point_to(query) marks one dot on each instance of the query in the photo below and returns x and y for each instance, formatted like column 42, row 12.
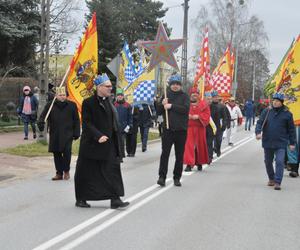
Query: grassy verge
column 41, row 149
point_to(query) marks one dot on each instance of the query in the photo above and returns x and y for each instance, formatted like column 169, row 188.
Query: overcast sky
column 281, row 19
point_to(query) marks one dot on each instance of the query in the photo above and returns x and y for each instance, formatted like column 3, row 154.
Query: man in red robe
column 195, row 152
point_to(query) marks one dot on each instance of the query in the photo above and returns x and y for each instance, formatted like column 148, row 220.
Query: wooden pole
column 167, row 116
column 62, row 82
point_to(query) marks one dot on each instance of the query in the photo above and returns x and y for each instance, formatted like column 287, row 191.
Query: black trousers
column 209, row 141
column 62, row 159
column 169, row 138
column 131, row 140
column 218, row 140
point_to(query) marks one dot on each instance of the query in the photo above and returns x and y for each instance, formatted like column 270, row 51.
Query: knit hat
column 100, row 79
column 119, row 91
column 214, row 93
column 26, row 88
column 278, row 96
column 175, row 79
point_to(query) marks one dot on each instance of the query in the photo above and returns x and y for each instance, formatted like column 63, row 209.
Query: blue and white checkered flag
column 131, row 73
column 144, row 93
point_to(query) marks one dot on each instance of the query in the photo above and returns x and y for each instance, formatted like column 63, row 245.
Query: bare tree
column 229, row 22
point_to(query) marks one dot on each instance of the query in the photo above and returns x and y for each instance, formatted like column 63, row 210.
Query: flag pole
column 62, row 82
column 167, row 116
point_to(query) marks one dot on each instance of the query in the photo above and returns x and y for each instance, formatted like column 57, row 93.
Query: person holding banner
column 125, row 117
column 277, row 130
column 98, row 172
column 64, row 127
column 177, row 105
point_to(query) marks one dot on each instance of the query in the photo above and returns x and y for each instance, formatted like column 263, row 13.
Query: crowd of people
column 195, row 126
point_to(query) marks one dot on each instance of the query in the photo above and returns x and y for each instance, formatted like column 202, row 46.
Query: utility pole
column 253, row 81
column 44, row 58
column 184, row 46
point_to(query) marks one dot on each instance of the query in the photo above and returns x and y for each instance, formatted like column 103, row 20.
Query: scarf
column 27, row 106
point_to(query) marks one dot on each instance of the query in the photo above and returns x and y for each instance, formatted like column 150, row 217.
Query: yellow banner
column 287, row 80
column 122, row 82
column 84, row 66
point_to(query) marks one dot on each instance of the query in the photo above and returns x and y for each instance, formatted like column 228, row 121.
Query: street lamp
column 235, row 83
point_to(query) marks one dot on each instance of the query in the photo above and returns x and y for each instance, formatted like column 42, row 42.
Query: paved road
column 226, row 206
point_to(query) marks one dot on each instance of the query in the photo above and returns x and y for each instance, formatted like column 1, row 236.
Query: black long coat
column 63, row 123
column 98, row 174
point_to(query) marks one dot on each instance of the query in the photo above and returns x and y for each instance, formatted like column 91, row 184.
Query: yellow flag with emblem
column 287, row 80
column 84, row 66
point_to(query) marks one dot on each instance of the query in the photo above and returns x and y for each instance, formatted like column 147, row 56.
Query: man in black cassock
column 98, row 173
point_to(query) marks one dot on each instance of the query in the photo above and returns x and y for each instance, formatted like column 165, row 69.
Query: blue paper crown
column 214, row 93
column 278, row 96
column 100, row 79
column 175, row 78
column 207, row 94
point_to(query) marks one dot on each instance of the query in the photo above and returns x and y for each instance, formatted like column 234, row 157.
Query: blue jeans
column 26, row 120
column 248, row 123
column 279, row 154
column 144, row 136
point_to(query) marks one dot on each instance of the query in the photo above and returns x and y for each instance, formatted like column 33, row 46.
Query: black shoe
column 199, row 167
column 218, row 154
column 188, row 168
column 25, row 138
column 230, row 144
column 177, row 183
column 161, row 181
column 34, row 136
column 82, row 204
column 294, row 174
column 144, row 149
column 118, row 203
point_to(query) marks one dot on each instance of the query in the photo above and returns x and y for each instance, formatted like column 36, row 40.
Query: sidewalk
column 14, row 167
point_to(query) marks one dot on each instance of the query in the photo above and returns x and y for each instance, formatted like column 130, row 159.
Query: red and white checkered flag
column 203, row 64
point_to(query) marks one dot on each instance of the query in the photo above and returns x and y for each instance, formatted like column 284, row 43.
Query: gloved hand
column 126, row 129
column 41, row 126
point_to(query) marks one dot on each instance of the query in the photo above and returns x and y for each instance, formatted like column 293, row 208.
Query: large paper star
column 162, row 48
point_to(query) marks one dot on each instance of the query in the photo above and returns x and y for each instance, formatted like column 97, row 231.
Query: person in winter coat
column 235, row 117
column 277, row 130
column 220, row 119
column 64, row 127
column 98, row 172
column 125, row 117
column 131, row 136
column 27, row 110
column 249, row 112
column 145, row 115
column 195, row 152
column 177, row 104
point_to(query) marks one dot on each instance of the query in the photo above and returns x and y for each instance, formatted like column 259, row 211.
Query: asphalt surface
column 226, row 206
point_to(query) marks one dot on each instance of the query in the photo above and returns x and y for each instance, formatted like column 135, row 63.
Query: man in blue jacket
column 276, row 129
column 249, row 112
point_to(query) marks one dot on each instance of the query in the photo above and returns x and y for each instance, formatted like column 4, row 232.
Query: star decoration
column 162, row 48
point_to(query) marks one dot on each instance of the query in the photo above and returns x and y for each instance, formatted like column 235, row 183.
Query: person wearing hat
column 64, row 127
column 177, row 105
column 235, row 116
column 98, row 172
column 277, row 130
column 125, row 118
column 195, row 152
column 220, row 119
column 27, row 110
